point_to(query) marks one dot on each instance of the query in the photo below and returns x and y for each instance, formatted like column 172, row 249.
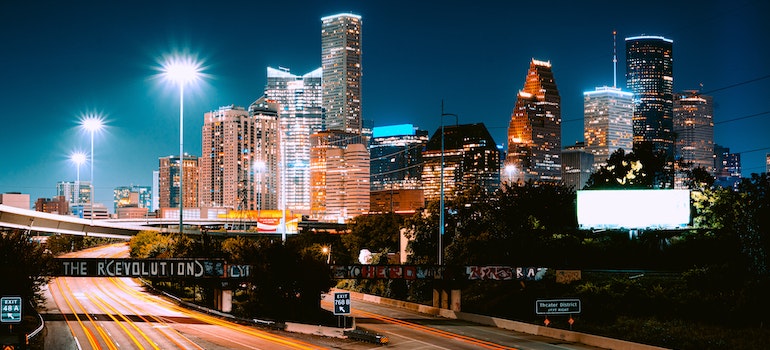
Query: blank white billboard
column 633, row 209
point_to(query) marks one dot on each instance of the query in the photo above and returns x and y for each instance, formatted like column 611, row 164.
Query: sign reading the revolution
column 164, row 268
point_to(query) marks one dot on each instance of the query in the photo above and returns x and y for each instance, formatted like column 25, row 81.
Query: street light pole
column 79, row 158
column 181, row 70
column 441, row 188
column 92, row 124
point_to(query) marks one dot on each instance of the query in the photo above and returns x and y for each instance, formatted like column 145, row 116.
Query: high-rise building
column 577, row 164
column 341, row 64
column 607, row 114
column 132, row 196
column 767, row 162
column 68, row 190
column 339, row 173
column 266, row 158
column 300, row 115
column 396, row 157
column 649, row 75
column 534, row 133
column 470, row 158
column 694, row 130
column 235, row 145
column 169, row 180
column 727, row 167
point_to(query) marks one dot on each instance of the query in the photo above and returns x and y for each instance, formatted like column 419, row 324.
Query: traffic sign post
column 11, row 308
column 342, row 303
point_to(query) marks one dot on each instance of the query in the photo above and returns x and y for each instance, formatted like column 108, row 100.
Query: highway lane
column 407, row 329
column 115, row 313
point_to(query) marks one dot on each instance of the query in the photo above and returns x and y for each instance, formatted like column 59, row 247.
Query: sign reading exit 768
column 11, row 308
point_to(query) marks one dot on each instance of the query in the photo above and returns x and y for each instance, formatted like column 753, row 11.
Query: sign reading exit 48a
column 11, row 308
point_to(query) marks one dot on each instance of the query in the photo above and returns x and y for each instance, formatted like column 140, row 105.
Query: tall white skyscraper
column 300, row 114
column 607, row 120
column 341, row 64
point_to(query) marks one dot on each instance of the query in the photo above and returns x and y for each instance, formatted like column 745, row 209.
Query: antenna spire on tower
column 614, row 59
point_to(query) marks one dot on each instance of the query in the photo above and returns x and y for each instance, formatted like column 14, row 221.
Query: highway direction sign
column 557, row 306
column 342, row 303
column 11, row 308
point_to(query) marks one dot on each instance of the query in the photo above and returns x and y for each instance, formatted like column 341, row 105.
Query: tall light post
column 78, row 158
column 441, row 188
column 259, row 168
column 181, row 70
column 92, row 124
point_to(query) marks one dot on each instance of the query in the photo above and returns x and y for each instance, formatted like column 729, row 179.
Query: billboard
column 633, row 209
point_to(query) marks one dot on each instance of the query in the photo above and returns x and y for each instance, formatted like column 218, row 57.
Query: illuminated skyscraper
column 339, row 164
column 649, row 75
column 341, row 64
column 727, row 167
column 300, row 115
column 577, row 164
column 767, row 162
column 168, row 182
column 607, row 114
column 470, row 158
column 396, row 157
column 265, row 161
column 694, row 128
column 534, row 133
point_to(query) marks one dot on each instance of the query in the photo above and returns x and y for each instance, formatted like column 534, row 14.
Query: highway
column 116, row 313
column 406, row 329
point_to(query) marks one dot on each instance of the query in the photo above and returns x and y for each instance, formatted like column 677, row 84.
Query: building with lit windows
column 233, row 148
column 300, row 115
column 607, row 115
column 577, row 164
column 396, row 157
column 727, row 167
column 649, row 76
column 266, row 174
column 767, row 162
column 57, row 205
column 534, row 133
column 70, row 190
column 470, row 157
column 169, row 180
column 341, row 64
column 132, row 197
column 339, row 173
column 694, row 130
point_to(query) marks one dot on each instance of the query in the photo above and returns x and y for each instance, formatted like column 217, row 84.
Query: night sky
column 61, row 59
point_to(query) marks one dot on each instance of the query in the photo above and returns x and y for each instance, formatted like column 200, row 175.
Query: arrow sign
column 341, row 303
column 11, row 309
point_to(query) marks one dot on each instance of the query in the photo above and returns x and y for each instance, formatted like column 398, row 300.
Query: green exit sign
column 11, row 308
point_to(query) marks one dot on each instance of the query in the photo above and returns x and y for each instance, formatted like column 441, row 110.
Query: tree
column 642, row 168
column 380, row 233
column 24, row 266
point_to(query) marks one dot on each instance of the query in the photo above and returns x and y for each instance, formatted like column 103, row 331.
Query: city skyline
column 96, row 57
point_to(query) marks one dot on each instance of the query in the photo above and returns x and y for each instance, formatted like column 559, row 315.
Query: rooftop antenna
column 614, row 59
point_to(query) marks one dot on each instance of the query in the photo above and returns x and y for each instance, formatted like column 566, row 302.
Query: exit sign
column 11, row 308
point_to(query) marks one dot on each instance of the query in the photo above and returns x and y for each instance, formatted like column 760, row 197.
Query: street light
column 328, row 251
column 441, row 188
column 92, row 123
column 181, row 70
column 259, row 167
column 78, row 158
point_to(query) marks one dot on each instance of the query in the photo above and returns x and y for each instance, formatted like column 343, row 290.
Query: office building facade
column 266, row 172
column 169, row 181
column 607, row 123
column 694, row 130
column 727, row 167
column 396, row 157
column 577, row 164
column 300, row 114
column 649, row 76
column 534, row 132
column 470, row 158
column 132, row 196
column 339, row 164
column 74, row 192
column 341, row 65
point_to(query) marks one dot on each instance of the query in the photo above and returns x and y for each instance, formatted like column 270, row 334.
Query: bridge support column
column 445, row 298
column 223, row 300
column 456, row 297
